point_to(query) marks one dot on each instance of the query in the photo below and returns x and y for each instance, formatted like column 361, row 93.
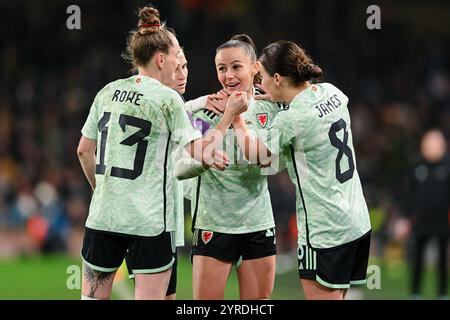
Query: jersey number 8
column 343, row 148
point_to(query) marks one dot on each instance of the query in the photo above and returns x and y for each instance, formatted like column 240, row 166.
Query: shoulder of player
column 265, row 106
column 106, row 88
column 119, row 84
column 156, row 87
column 329, row 87
column 262, row 104
column 163, row 94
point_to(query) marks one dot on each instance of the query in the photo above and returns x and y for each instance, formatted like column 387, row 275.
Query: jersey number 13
column 138, row 137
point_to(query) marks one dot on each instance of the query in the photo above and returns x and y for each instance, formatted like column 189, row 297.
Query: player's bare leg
column 96, row 284
column 256, row 278
column 315, row 291
column 209, row 277
column 151, row 286
column 345, row 291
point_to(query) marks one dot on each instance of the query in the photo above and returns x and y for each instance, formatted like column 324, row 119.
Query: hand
column 224, row 94
column 219, row 160
column 237, row 103
column 265, row 96
column 217, row 102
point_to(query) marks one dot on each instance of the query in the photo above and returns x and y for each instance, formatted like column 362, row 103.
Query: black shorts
column 234, row 247
column 105, row 251
column 338, row 267
column 172, row 288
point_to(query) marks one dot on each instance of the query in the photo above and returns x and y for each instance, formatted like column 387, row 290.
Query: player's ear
column 255, row 67
column 159, row 59
column 277, row 78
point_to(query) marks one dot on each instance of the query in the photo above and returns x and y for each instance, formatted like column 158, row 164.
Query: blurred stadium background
column 397, row 78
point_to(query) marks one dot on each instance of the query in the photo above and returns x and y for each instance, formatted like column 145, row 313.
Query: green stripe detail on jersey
column 315, row 260
column 173, row 242
column 92, row 266
column 195, row 237
column 307, row 258
column 331, row 285
column 358, row 282
column 156, row 270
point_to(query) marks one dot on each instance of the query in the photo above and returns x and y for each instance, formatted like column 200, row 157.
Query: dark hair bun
column 148, row 16
column 309, row 71
column 246, row 39
column 242, row 37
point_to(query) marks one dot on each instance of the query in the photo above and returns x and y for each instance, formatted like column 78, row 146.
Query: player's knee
column 264, row 296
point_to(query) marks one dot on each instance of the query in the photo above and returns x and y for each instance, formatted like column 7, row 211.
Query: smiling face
column 235, row 70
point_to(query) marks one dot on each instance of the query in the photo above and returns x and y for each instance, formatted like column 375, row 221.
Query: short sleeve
column 196, row 104
column 179, row 123
column 281, row 133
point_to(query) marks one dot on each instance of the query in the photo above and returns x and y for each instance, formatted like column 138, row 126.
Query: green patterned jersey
column 314, row 135
column 236, row 200
column 137, row 122
column 178, row 193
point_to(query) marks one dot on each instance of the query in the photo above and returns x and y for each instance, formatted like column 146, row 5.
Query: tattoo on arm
column 96, row 278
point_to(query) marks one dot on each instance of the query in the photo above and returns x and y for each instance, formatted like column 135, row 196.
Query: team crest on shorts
column 262, row 119
column 207, row 236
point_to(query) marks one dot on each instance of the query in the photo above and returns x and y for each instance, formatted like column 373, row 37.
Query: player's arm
column 187, row 167
column 195, row 105
column 253, row 148
column 86, row 156
column 211, row 104
column 217, row 102
column 204, row 149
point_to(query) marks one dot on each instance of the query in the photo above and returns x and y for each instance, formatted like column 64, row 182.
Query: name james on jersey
column 328, row 106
